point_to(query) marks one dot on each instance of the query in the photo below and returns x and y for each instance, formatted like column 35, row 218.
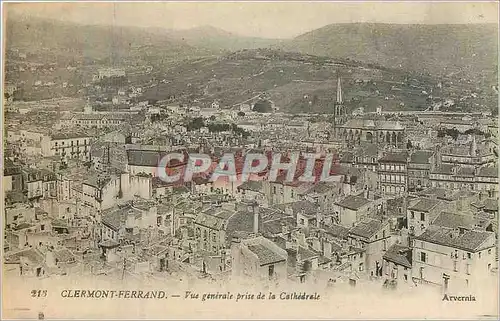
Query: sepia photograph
column 250, row 160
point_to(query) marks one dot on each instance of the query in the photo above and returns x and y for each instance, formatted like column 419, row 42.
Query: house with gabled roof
column 374, row 237
column 258, row 258
column 397, row 263
column 454, row 258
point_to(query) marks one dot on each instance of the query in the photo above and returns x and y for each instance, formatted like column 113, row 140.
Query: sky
column 259, row 19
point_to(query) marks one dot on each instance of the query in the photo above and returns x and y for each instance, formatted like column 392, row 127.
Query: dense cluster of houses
column 91, row 202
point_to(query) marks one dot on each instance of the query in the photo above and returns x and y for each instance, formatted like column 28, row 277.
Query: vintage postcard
column 250, row 160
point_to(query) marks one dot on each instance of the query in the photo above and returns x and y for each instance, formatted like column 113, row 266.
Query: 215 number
column 38, row 293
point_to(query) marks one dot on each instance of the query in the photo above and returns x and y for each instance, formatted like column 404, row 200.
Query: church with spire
column 339, row 112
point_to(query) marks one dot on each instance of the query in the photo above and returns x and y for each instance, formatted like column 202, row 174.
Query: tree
column 241, row 114
column 195, row 124
column 263, row 106
column 212, row 118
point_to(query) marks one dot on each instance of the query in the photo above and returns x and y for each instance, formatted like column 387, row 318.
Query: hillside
column 304, row 83
column 438, row 49
column 51, row 39
column 219, row 40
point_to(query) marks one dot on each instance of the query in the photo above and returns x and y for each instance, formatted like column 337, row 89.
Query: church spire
column 340, row 99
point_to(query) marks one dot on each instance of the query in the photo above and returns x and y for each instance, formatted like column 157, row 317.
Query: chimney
column 255, row 211
column 235, row 256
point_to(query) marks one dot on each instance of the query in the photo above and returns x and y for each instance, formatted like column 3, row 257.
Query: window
column 489, row 251
column 302, row 221
column 360, row 267
column 467, row 268
column 469, row 256
column 455, row 266
column 423, row 257
column 422, row 216
column 412, row 214
column 42, row 227
column 479, row 254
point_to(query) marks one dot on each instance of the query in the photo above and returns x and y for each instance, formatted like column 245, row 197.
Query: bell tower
column 339, row 113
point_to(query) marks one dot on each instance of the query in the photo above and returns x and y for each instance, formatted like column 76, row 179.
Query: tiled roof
column 401, row 255
column 241, row 221
column 147, row 158
column 304, row 206
column 366, row 228
column 353, row 202
column 319, row 188
column 275, row 226
column 306, row 254
column 347, row 157
column 116, row 217
column 210, row 221
column 469, row 240
column 454, row 220
column 336, row 230
column 265, row 254
column 399, row 157
column 444, row 169
column 255, row 186
column 424, row 204
column 465, row 171
column 33, row 255
column 97, row 181
column 421, row 157
column 440, row 193
column 63, row 255
column 488, row 171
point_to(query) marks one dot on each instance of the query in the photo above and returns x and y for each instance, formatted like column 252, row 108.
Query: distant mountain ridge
column 437, row 49
column 432, row 48
column 216, row 39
